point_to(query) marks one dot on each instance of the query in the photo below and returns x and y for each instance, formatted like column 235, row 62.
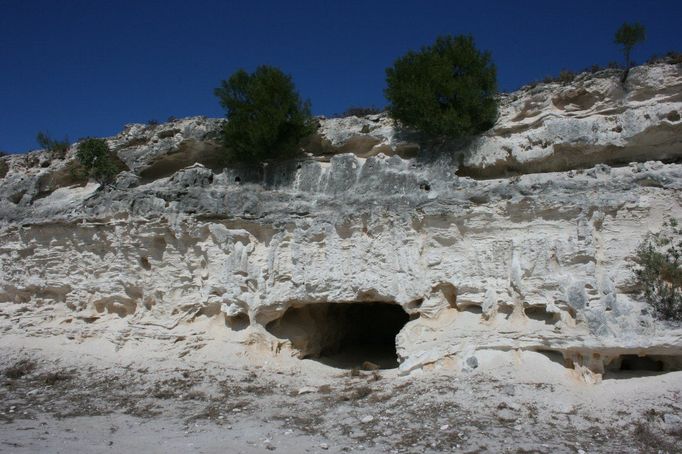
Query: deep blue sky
column 87, row 67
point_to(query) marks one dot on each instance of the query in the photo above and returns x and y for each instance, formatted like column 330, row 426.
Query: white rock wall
column 539, row 261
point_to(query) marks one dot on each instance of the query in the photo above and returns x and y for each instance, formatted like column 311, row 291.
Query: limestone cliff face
column 520, row 240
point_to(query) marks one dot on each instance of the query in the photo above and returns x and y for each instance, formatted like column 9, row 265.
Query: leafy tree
column 658, row 271
column 266, row 116
column 446, row 90
column 57, row 148
column 629, row 35
column 98, row 160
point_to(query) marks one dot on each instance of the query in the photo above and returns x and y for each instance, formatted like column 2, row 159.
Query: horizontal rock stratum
column 520, row 240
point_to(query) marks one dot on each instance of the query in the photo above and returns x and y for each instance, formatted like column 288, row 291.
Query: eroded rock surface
column 535, row 261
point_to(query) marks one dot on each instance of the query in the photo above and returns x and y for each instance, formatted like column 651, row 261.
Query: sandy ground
column 64, row 394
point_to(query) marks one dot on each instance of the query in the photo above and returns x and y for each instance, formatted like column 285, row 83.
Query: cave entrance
column 344, row 335
column 629, row 366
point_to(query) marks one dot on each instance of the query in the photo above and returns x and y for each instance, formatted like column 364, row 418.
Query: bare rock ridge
column 520, row 240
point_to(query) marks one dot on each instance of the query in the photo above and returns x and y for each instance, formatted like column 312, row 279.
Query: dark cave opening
column 629, row 366
column 344, row 335
column 640, row 363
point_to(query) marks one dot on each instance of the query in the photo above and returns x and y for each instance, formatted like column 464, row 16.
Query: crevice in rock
column 343, row 335
column 184, row 155
column 237, row 322
column 556, row 357
column 144, row 263
column 540, row 314
column 505, row 311
column 208, row 310
column 16, row 197
column 660, row 140
column 118, row 306
column 471, row 308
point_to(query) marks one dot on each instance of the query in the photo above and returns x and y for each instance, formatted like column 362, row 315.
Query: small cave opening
column 540, row 314
column 344, row 335
column 628, row 366
column 237, row 322
column 642, row 363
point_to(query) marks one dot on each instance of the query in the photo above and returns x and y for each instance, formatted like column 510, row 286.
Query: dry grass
column 52, row 378
column 648, row 438
column 20, row 369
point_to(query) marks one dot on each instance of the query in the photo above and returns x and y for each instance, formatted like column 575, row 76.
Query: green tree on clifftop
column 446, row 90
column 629, row 35
column 266, row 116
column 98, row 160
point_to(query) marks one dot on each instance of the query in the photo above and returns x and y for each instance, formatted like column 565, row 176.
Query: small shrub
column 671, row 58
column 152, row 123
column 171, row 119
column 565, row 77
column 360, row 111
column 266, row 117
column 57, row 148
column 446, row 90
column 4, row 168
column 21, row 368
column 52, row 378
column 658, row 271
column 97, row 160
column 647, row 435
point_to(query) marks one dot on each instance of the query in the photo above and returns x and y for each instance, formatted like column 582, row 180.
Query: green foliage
column 57, row 148
column 4, row 168
column 358, row 111
column 266, row 116
column 446, row 90
column 658, row 271
column 671, row 58
column 566, row 76
column 99, row 162
column 628, row 36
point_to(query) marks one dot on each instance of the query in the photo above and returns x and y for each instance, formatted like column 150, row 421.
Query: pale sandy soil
column 97, row 395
